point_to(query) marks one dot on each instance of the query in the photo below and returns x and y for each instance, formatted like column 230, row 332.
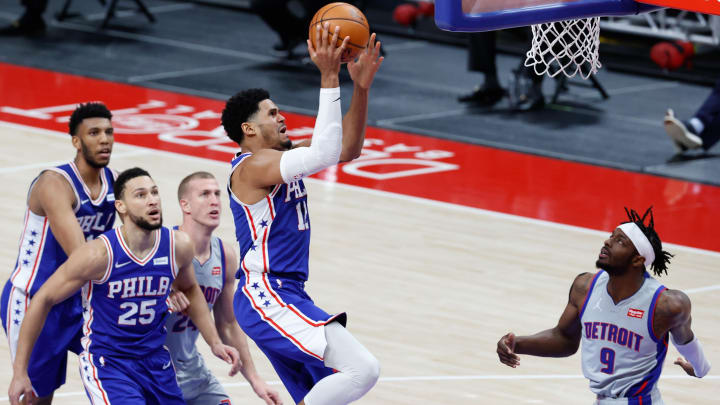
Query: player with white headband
column 624, row 318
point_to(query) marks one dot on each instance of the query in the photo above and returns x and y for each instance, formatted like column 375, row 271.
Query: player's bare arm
column 673, row 314
column 231, row 334
column 53, row 197
column 561, row 341
column 89, row 263
column 198, row 311
column 362, row 71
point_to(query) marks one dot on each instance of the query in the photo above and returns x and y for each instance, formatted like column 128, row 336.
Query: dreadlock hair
column 238, row 109
column 662, row 258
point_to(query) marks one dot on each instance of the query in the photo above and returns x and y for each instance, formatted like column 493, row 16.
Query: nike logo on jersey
column 118, row 264
column 166, row 366
column 336, row 99
column 83, row 202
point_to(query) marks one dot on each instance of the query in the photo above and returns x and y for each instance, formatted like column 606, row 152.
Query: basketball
column 352, row 23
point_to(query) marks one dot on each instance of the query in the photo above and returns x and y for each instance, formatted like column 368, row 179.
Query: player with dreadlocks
column 624, row 318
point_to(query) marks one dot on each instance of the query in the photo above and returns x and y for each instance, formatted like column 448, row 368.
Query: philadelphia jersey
column 181, row 332
column 621, row 356
column 124, row 312
column 273, row 233
column 40, row 254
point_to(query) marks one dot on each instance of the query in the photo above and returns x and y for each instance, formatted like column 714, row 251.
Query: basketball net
column 569, row 47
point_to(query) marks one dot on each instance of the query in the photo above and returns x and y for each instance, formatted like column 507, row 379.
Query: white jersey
column 621, row 356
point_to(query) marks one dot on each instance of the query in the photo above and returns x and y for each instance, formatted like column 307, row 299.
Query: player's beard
column 143, row 224
column 613, row 270
column 89, row 158
column 286, row 145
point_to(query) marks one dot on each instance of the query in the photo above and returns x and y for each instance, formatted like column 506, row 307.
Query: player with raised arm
column 125, row 276
column 624, row 318
column 269, row 204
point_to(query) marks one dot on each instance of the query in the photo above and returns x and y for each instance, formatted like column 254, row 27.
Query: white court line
column 633, row 89
column 439, row 114
column 165, row 41
column 417, row 200
column 439, row 378
column 405, row 45
column 127, row 13
column 702, row 289
column 181, row 73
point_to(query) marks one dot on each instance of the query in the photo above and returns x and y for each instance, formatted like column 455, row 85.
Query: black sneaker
column 16, row 28
column 484, row 96
column 681, row 132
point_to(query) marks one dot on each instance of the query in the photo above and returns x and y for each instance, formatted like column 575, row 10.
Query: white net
column 569, row 47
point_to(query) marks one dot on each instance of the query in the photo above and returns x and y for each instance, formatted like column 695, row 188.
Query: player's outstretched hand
column 229, row 354
column 19, row 386
column 685, row 366
column 326, row 55
column 506, row 350
column 178, row 302
column 270, row 396
column 363, row 69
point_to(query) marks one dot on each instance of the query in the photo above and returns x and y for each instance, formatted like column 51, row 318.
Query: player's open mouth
column 283, row 129
column 155, row 214
column 604, row 252
column 104, row 153
column 214, row 214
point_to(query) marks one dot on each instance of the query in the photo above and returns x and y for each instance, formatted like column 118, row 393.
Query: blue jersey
column 40, row 254
column 273, row 233
column 124, row 312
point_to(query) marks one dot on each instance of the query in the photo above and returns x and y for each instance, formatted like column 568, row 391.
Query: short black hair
column 124, row 177
column 87, row 110
column 662, row 258
column 239, row 108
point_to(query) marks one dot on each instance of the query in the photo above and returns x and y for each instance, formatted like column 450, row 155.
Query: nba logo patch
column 216, row 271
column 635, row 313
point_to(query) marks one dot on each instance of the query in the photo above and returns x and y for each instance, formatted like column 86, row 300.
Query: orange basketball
column 352, row 23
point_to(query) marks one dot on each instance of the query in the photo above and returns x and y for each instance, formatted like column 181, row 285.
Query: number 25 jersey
column 124, row 312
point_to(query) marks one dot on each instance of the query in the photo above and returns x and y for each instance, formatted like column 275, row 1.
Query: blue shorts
column 62, row 332
column 114, row 380
column 286, row 325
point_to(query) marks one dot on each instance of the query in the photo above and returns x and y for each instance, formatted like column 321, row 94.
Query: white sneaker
column 682, row 136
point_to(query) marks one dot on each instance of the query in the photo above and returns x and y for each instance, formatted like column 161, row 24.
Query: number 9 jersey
column 124, row 312
column 621, row 356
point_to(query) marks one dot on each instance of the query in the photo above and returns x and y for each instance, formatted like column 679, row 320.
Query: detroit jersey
column 124, row 312
column 181, row 332
column 621, row 356
column 273, row 233
column 40, row 254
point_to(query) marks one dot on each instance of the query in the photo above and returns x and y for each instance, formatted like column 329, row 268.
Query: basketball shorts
column 199, row 386
column 62, row 332
column 149, row 380
column 279, row 316
column 653, row 398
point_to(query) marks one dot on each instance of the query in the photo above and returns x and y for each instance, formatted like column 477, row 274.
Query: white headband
column 641, row 242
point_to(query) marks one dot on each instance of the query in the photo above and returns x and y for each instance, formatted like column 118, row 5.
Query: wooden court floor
column 429, row 287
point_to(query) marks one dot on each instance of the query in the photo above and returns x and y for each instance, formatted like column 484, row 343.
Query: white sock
column 358, row 370
column 697, row 125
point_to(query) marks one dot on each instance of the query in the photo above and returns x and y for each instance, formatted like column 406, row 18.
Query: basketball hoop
column 569, row 47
